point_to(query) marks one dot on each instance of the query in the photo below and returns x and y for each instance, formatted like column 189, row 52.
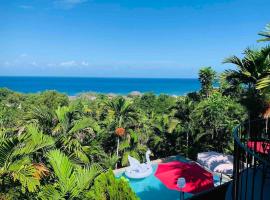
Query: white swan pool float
column 138, row 170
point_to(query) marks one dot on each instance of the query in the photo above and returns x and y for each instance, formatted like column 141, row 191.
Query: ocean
column 73, row 86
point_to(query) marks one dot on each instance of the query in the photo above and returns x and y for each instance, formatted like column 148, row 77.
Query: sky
column 126, row 38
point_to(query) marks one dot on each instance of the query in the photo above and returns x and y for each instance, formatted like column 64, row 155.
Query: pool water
column 152, row 188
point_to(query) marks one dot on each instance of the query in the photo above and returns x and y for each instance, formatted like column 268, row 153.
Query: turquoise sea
column 72, row 85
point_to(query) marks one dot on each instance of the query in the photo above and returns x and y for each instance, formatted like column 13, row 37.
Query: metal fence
column 251, row 176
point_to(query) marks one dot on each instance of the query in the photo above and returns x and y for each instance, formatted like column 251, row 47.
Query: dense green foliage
column 56, row 147
column 107, row 187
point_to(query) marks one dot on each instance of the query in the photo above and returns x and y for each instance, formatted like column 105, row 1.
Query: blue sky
column 135, row 38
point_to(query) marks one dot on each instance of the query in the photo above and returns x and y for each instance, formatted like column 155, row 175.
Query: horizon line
column 102, row 77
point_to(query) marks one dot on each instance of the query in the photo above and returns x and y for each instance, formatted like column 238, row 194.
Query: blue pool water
column 152, row 188
column 75, row 85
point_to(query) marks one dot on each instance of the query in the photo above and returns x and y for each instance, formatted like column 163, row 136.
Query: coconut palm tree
column 253, row 74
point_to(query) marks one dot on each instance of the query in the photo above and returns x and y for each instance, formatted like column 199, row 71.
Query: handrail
column 248, row 160
column 247, row 149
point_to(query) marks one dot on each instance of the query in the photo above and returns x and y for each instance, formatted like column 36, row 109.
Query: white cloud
column 68, row 63
column 73, row 63
column 68, row 4
column 28, row 61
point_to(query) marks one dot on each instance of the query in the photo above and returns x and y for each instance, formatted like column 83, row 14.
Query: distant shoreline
column 93, row 95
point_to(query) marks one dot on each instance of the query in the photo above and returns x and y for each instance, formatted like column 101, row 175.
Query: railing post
column 236, row 170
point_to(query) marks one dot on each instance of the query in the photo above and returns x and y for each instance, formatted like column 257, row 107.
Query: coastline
column 93, row 95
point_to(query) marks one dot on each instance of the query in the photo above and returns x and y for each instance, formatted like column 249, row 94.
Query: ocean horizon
column 75, row 85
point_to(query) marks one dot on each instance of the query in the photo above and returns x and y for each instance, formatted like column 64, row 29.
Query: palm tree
column 165, row 135
column 252, row 69
column 265, row 34
column 181, row 111
column 253, row 74
column 74, row 133
column 123, row 114
column 132, row 146
column 207, row 77
column 42, row 116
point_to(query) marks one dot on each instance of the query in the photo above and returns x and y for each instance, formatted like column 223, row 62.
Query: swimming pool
column 152, row 188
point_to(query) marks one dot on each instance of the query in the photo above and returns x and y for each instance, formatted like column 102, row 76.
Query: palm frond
column 263, row 83
column 85, row 177
column 33, row 141
column 49, row 192
column 24, row 171
column 63, row 170
column 124, row 145
column 173, row 123
column 85, row 123
column 265, row 34
column 7, row 147
column 80, row 156
column 234, row 60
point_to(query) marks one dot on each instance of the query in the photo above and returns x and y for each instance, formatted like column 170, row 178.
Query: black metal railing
column 251, row 176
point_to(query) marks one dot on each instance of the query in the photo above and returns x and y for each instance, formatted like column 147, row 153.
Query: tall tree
column 207, row 77
column 212, row 121
column 124, row 114
column 251, row 71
